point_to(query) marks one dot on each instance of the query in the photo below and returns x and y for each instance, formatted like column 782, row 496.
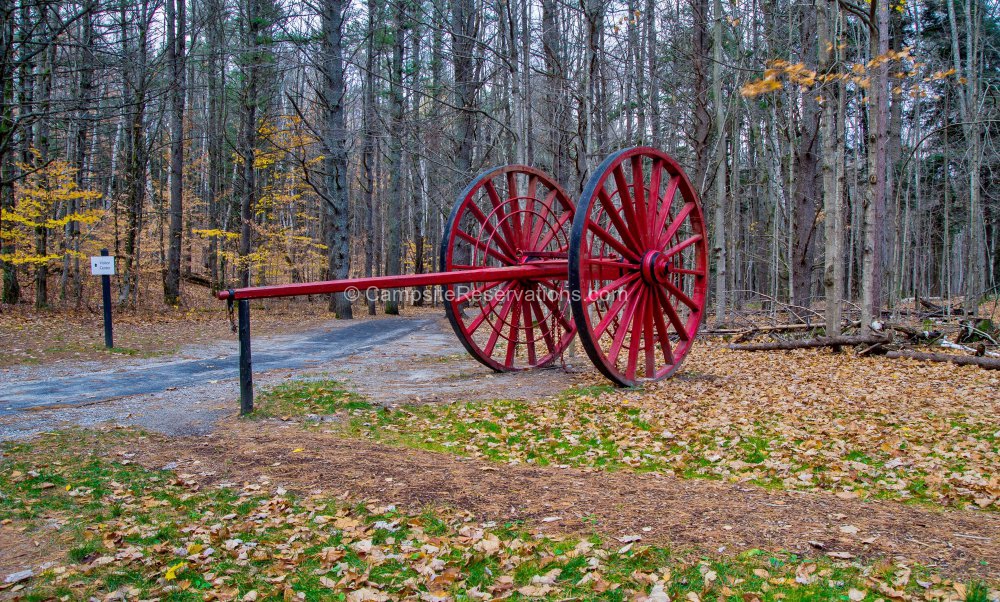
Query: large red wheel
column 638, row 266
column 509, row 216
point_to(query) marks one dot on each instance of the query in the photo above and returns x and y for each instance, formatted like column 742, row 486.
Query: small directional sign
column 102, row 265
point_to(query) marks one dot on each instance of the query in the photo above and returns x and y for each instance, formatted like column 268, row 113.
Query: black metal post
column 246, row 370
column 109, row 341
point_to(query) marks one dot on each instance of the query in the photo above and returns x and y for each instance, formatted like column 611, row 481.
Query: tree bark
column 336, row 204
column 368, row 144
column 251, row 26
column 719, row 249
column 807, row 149
column 176, row 36
column 875, row 195
column 702, row 118
column 831, row 118
column 840, row 341
column 394, row 251
column 989, row 363
column 11, row 292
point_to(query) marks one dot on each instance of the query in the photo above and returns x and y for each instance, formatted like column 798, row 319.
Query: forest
column 844, row 151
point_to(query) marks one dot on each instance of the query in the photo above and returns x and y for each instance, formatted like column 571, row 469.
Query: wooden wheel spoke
column 682, row 245
column 680, row 295
column 613, row 310
column 501, row 212
column 515, row 209
column 554, row 308
column 498, row 327
column 661, row 329
column 491, row 230
column 687, row 271
column 513, row 334
column 476, row 291
column 543, row 325
column 612, row 241
column 529, row 333
column 653, row 201
column 647, row 337
column 565, row 217
column 639, row 197
column 486, row 310
column 604, row 290
column 623, row 325
column 616, row 219
column 628, row 206
column 676, row 224
column 672, row 315
column 637, row 326
column 541, row 220
column 530, row 216
column 484, row 247
column 663, row 212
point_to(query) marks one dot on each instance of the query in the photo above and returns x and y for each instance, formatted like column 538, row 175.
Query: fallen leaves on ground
column 144, row 534
column 805, row 420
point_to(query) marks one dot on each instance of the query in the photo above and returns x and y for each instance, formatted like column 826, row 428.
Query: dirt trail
column 392, row 360
column 707, row 515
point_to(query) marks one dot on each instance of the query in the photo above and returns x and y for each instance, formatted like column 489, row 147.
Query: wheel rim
column 508, row 216
column 638, row 266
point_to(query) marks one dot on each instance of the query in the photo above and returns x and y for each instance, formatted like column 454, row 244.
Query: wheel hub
column 655, row 268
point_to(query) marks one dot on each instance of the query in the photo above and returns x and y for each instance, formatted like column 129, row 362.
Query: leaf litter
column 164, row 534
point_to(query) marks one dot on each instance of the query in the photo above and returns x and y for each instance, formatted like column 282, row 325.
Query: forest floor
column 409, row 471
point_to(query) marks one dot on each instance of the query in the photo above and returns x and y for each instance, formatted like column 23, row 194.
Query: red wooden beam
column 528, row 271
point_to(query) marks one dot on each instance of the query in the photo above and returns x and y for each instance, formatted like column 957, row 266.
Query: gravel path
column 180, row 395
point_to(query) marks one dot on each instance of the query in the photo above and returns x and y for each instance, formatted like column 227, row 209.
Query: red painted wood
column 528, row 271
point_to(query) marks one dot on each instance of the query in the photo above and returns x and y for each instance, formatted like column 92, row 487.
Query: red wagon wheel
column 509, row 216
column 638, row 266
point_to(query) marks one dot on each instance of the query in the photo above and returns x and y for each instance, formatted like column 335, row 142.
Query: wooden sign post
column 104, row 266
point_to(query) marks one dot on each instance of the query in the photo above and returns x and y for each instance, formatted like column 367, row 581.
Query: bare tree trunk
column 804, row 205
column 394, row 252
column 11, row 287
column 967, row 100
column 875, row 195
column 719, row 248
column 555, row 101
column 336, row 205
column 369, row 118
column 215, row 134
column 465, row 33
column 41, row 145
column 833, row 207
column 416, row 164
column 82, row 127
column 246, row 142
column 176, row 36
column 137, row 158
column 702, row 119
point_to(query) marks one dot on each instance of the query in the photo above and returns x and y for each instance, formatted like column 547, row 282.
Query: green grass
column 586, row 427
column 149, row 533
column 302, row 397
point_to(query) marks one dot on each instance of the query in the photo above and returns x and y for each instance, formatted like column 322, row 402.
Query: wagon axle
column 626, row 268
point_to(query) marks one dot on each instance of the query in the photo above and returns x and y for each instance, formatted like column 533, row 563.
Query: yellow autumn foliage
column 48, row 198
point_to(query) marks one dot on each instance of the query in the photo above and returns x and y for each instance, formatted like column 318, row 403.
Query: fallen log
column 842, row 341
column 939, row 310
column 989, row 363
column 774, row 328
column 197, row 280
